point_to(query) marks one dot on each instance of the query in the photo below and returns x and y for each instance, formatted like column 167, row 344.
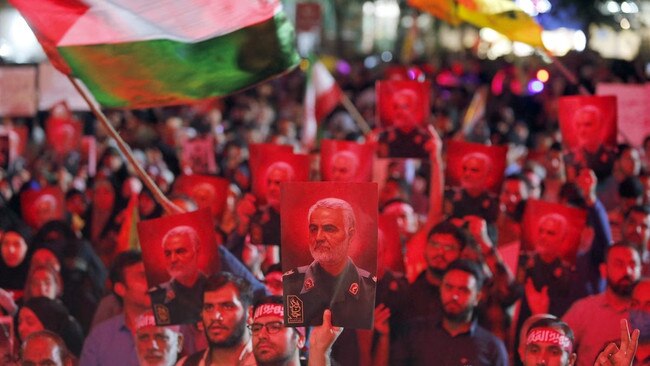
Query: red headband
column 273, row 310
column 550, row 335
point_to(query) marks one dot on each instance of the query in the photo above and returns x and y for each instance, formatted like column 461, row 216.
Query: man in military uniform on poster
column 332, row 281
column 178, row 300
column 590, row 151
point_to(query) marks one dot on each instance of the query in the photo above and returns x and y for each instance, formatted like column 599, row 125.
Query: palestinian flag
column 156, row 52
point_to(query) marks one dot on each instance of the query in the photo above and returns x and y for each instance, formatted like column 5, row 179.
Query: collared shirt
column 246, row 357
column 309, row 290
column 110, row 343
column 428, row 343
column 595, row 323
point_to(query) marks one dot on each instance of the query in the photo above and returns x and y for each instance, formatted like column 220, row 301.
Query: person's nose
column 217, row 315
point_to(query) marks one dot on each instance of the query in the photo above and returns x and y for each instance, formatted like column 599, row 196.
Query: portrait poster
column 633, row 110
column 471, row 164
column 393, row 168
column 198, row 156
column 54, row 87
column 403, row 109
column 263, row 161
column 206, row 191
column 552, row 229
column 588, row 127
column 18, row 97
column 62, row 131
column 41, row 206
column 6, row 337
column 402, row 99
column 346, row 161
column 329, row 252
column 179, row 252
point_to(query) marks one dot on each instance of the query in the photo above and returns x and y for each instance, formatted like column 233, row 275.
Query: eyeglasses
column 271, row 327
column 444, row 247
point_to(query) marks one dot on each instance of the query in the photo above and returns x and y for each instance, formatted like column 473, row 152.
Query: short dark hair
column 553, row 323
column 642, row 209
column 468, row 266
column 446, row 227
column 221, row 279
column 120, row 263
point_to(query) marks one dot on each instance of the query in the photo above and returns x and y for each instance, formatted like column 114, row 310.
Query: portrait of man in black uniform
column 178, row 300
column 265, row 223
column 332, row 280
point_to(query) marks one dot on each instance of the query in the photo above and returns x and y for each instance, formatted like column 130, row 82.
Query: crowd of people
column 73, row 292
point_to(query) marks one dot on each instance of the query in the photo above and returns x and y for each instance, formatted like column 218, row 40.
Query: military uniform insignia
column 354, row 288
column 289, row 272
column 169, row 295
column 295, row 315
column 393, row 286
column 309, row 284
column 162, row 314
column 374, row 278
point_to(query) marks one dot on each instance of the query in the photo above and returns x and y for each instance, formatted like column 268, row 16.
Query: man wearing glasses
column 273, row 343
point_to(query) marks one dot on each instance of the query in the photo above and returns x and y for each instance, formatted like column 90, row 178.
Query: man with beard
column 622, row 270
column 456, row 339
column 636, row 231
column 178, row 301
column 444, row 244
column 273, row 343
column 332, row 281
column 226, row 304
column 512, row 201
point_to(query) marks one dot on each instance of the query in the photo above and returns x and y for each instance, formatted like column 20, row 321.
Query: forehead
column 267, row 319
column 326, row 214
column 638, row 217
column 459, row 278
column 550, row 223
column 41, row 348
column 278, row 174
column 513, row 185
column 443, row 239
column 177, row 240
column 623, row 254
column 225, row 293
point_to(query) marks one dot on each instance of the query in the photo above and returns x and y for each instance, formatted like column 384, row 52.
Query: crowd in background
column 56, row 274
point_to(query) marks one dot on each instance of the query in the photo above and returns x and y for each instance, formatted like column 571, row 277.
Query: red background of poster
column 364, row 152
column 568, row 106
column 29, row 197
column 62, row 130
column 576, row 221
column 187, row 184
column 299, row 163
column 151, row 233
column 297, row 198
column 385, row 91
column 456, row 150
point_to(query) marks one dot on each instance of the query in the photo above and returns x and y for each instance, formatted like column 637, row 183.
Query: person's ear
column 572, row 359
column 180, row 342
column 120, row 289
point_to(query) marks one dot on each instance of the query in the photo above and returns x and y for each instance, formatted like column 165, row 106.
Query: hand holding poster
column 179, row 253
column 329, row 236
column 403, row 111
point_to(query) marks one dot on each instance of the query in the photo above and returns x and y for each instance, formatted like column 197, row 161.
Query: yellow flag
column 441, row 9
column 504, row 16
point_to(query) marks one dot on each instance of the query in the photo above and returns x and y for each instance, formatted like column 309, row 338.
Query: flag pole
column 354, row 112
column 168, row 205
